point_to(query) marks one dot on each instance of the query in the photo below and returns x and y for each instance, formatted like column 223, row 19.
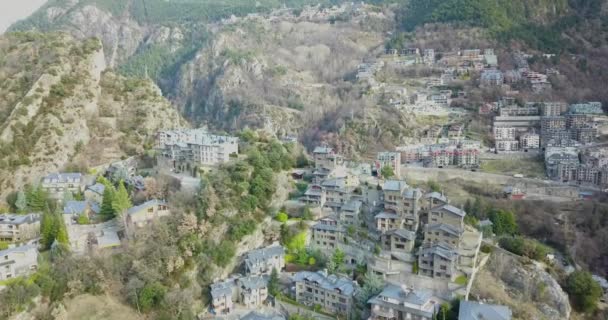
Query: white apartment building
column 391, row 159
column 196, row 146
column 504, row 133
column 530, row 141
column 17, row 227
column 18, row 261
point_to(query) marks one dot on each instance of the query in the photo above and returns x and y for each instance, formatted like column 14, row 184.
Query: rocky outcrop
column 526, row 288
column 60, row 106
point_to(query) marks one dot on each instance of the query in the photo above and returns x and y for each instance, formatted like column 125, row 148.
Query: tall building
column 17, row 227
column 334, row 294
column 196, row 147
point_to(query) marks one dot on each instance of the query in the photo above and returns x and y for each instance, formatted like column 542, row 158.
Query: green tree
column 107, row 210
column 372, row 286
column 121, row 200
column 273, row 283
column 37, row 198
column 67, row 196
column 387, row 172
column 282, row 217
column 47, row 229
column 338, row 258
column 21, row 202
column 151, row 296
column 583, row 290
column 503, row 222
column 61, row 233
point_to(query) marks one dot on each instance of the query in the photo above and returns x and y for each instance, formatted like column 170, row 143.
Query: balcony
column 387, row 313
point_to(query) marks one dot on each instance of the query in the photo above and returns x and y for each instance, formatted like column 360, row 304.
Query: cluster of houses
column 581, row 166
column 538, row 125
column 187, row 150
column 448, row 252
column 454, row 153
column 22, row 231
column 494, row 77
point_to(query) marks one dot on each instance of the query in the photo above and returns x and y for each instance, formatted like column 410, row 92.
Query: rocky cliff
column 58, row 107
column 526, row 288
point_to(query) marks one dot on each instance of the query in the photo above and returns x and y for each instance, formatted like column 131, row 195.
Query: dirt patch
column 99, row 308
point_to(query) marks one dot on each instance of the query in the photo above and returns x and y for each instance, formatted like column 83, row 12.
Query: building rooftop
column 323, row 150
column 254, row 315
column 252, row 282
column 260, row 256
column 439, row 249
column 412, row 194
column 394, row 185
column 75, row 207
column 406, row 234
column 63, row 177
column 417, row 301
column 444, row 227
column 470, row 310
column 97, row 188
column 145, row 205
column 386, row 215
column 436, row 195
column 452, row 209
column 17, row 219
column 332, row 282
column 223, row 288
column 19, row 249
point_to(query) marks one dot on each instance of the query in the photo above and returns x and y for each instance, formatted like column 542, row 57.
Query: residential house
column 252, row 291
column 445, row 225
column 447, row 214
column 18, row 261
column 56, row 184
column 434, row 199
column 349, row 213
column 403, row 303
column 437, row 261
column 333, row 293
column 472, row 310
column 337, row 193
column 222, row 296
column 398, row 241
column 387, row 221
column 263, row 261
column 315, row 195
column 95, row 192
column 18, row 227
column 326, row 157
column 146, row 212
column 327, row 234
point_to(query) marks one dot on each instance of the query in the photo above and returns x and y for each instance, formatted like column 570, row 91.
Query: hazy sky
column 14, row 10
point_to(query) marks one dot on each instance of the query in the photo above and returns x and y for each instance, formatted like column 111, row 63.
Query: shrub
column 282, row 217
column 583, row 290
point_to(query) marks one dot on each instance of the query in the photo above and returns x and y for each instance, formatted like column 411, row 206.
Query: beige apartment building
column 16, row 227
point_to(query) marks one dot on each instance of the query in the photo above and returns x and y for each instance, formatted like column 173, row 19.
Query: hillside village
column 406, row 211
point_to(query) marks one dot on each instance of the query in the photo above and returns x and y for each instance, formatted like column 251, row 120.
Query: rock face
column 528, row 289
column 58, row 105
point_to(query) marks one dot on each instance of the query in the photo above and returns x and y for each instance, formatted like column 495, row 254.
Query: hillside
column 59, row 107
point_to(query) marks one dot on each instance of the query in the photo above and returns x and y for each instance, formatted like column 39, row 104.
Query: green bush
column 282, row 217
column 583, row 291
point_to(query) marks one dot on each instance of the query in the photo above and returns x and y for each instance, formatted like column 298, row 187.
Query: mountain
column 60, row 107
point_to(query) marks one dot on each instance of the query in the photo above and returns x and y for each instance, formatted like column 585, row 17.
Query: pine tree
column 47, row 229
column 36, row 199
column 21, row 202
column 106, row 209
column 273, row 283
column 61, row 233
column 67, row 196
column 121, row 201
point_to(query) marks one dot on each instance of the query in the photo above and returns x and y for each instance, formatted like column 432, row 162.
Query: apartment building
column 18, row 261
column 390, row 159
column 552, row 109
column 326, row 157
column 387, row 221
column 263, row 261
column 504, row 133
column 56, row 184
column 334, row 294
column 437, row 261
column 252, row 291
column 249, row 291
column 196, row 147
column 315, row 196
column 530, row 140
column 442, row 233
column 336, row 192
column 492, row 77
column 17, row 227
column 507, row 145
column 447, row 214
column 403, row 303
column 327, row 234
column 349, row 213
column 398, row 241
